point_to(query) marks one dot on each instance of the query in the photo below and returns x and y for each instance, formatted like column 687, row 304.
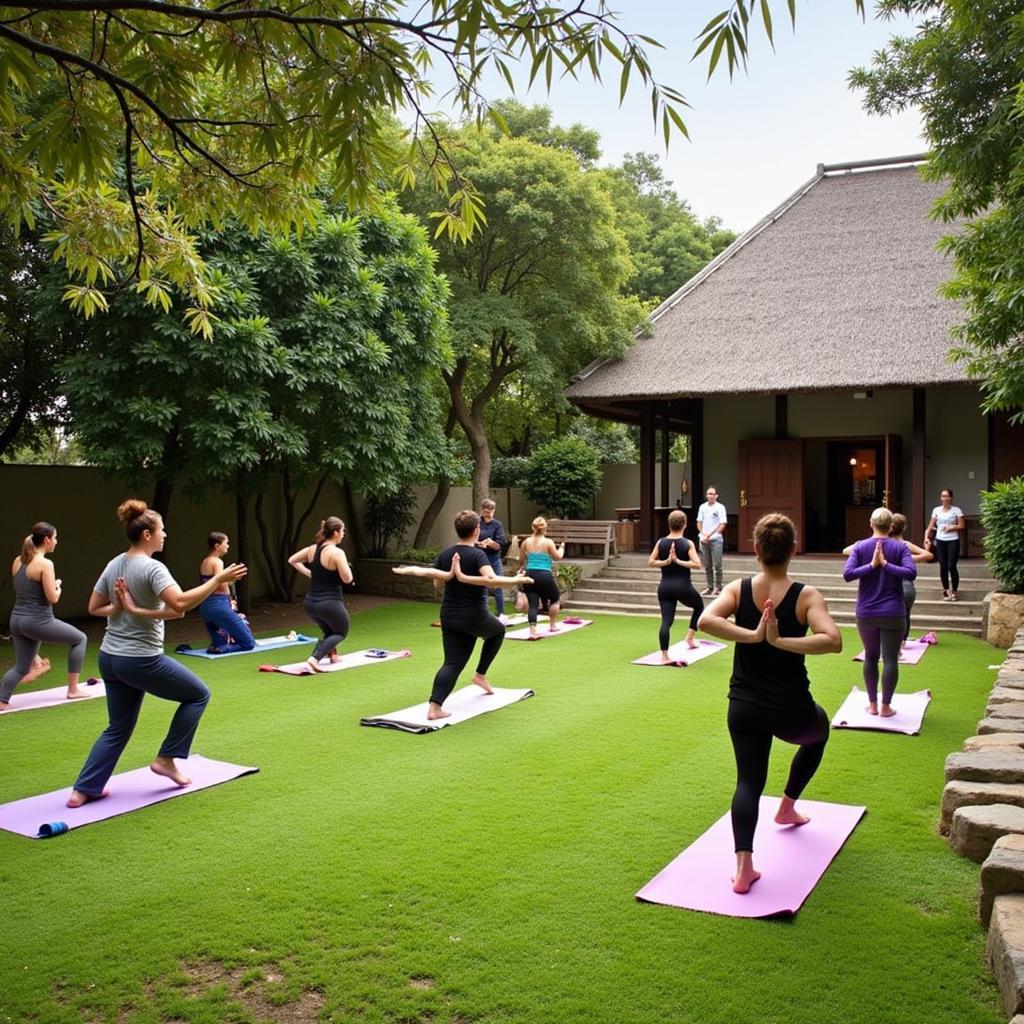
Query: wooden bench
column 590, row 532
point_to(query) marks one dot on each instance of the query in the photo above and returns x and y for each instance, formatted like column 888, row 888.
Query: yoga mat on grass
column 269, row 643
column 128, row 792
column 544, row 633
column 910, row 653
column 909, row 708
column 681, row 653
column 463, row 704
column 790, row 859
column 354, row 659
column 31, row 699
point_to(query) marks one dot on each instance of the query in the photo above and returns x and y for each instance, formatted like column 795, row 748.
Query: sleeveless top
column 28, row 593
column 670, row 571
column 538, row 560
column 764, row 675
column 326, row 583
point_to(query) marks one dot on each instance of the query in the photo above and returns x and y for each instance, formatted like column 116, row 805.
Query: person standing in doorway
column 712, row 519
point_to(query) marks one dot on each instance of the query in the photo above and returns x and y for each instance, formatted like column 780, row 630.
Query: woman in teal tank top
column 537, row 554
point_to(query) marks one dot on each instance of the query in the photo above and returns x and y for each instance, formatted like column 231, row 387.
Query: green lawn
column 484, row 873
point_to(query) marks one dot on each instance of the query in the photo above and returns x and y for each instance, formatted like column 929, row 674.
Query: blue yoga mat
column 269, row 644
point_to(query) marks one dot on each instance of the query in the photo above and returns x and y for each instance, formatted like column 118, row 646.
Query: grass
column 485, row 873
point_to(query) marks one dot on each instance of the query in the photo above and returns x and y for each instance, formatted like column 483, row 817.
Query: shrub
column 1002, row 515
column 426, row 555
column 562, row 477
column 568, row 576
column 387, row 517
column 508, row 470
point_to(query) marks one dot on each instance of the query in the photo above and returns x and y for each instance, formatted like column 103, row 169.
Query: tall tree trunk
column 295, row 540
column 242, row 543
column 353, row 528
column 444, row 486
column 17, row 420
column 481, row 450
column 162, row 493
column 270, row 560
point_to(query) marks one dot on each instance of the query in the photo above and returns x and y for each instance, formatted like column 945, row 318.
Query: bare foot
column 665, row 659
column 479, row 680
column 742, row 883
column 872, row 709
column 887, row 711
column 788, row 815
column 314, row 665
column 435, row 711
column 166, row 767
column 335, row 656
column 533, row 636
column 552, row 629
column 40, row 668
column 692, row 644
column 76, row 694
column 78, row 798
column 4, row 705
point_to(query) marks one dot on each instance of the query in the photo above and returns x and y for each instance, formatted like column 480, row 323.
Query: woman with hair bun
column 36, row 591
column 537, row 555
column 229, row 632
column 325, row 564
column 676, row 556
column 135, row 594
column 769, row 692
column 881, row 564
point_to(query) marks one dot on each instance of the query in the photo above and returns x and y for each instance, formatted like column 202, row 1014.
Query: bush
column 562, row 477
column 568, row 576
column 1002, row 515
column 508, row 470
column 387, row 517
column 426, row 555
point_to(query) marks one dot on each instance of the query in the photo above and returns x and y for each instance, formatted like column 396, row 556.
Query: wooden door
column 892, row 476
column 771, row 479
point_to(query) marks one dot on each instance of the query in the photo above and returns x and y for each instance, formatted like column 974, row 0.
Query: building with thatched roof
column 808, row 363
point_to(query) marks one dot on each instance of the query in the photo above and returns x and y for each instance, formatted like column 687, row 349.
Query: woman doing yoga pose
column 537, row 555
column 676, row 556
column 228, row 631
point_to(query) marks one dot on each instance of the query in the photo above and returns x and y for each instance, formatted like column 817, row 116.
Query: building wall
column 728, row 420
column 957, row 447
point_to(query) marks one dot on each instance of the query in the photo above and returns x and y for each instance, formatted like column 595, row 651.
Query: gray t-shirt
column 128, row 635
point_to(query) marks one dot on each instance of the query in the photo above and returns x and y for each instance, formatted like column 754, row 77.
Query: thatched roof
column 836, row 289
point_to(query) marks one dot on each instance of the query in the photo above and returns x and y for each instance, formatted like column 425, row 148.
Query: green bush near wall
column 1002, row 515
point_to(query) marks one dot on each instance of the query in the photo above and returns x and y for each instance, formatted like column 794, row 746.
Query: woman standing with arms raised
column 325, row 564
column 676, row 556
column 135, row 594
column 36, row 591
column 769, row 692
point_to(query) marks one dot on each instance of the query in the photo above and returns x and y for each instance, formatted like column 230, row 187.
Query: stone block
column 1006, row 950
column 1010, row 680
column 1001, row 765
column 1006, row 694
column 995, row 739
column 1015, row 709
column 975, row 830
column 987, row 726
column 1001, row 873
column 959, row 794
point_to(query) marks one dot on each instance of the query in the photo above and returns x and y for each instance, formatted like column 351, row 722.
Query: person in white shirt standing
column 948, row 522
column 712, row 520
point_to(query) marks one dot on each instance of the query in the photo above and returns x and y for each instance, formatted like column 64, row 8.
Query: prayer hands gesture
column 770, row 622
column 673, row 555
column 124, row 595
column 878, row 558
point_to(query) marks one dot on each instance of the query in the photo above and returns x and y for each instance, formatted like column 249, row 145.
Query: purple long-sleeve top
column 880, row 590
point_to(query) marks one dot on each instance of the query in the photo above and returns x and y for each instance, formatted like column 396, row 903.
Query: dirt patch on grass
column 421, row 982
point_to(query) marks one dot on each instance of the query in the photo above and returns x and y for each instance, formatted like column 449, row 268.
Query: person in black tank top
column 676, row 556
column 466, row 574
column 326, row 566
column 769, row 692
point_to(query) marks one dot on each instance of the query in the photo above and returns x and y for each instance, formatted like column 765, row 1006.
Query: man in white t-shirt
column 712, row 520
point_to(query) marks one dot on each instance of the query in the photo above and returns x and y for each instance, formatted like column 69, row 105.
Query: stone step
column 960, row 793
column 1001, row 873
column 1014, row 709
column 974, row 830
column 1002, row 765
column 1006, row 950
column 615, row 570
column 994, row 740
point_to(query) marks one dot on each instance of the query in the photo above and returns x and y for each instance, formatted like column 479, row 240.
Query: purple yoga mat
column 543, row 633
column 53, row 698
column 909, row 708
column 128, row 792
column 910, row 653
column 791, row 860
column 680, row 652
column 354, row 659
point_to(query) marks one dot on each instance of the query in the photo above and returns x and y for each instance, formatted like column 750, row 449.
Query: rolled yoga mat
column 128, row 792
column 269, row 643
column 463, row 704
column 354, row 659
column 790, row 859
column 909, row 708
column 32, row 699
column 682, row 654
column 910, row 653
column 543, row 633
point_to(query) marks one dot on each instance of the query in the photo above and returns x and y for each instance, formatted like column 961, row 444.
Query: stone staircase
column 628, row 587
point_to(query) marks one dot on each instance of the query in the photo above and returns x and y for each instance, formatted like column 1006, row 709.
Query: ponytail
column 35, row 539
column 328, row 528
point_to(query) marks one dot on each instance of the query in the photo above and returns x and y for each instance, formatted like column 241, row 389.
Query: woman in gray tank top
column 36, row 591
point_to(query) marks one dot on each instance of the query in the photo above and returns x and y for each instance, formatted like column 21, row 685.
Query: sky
column 756, row 139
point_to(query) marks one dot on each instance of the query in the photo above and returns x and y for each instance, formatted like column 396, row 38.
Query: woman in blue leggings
column 135, row 594
column 229, row 632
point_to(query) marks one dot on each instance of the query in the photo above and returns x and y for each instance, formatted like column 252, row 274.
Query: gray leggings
column 28, row 631
column 881, row 635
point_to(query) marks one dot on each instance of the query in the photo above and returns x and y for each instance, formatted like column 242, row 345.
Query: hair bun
column 131, row 509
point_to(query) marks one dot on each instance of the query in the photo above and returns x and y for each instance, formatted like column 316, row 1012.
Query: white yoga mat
column 909, row 708
column 353, row 659
column 682, row 654
column 29, row 700
column 463, row 704
column 543, row 633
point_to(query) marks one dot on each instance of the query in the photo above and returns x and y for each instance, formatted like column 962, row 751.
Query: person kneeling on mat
column 229, row 631
column 769, row 692
column 466, row 574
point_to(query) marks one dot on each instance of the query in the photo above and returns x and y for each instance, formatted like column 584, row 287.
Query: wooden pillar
column 647, row 460
column 918, row 461
column 781, row 417
column 696, row 463
column 664, row 461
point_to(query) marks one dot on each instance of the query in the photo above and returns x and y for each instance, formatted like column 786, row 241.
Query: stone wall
column 374, row 576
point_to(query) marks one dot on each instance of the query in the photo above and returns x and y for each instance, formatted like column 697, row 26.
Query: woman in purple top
column 880, row 564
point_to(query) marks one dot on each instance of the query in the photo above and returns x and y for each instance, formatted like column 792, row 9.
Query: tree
column 963, row 70
column 563, row 477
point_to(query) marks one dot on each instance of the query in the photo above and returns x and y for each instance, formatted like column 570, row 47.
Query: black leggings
column 751, row 728
column 331, row 616
column 909, row 597
column 881, row 636
column 948, row 552
column 542, row 592
column 458, row 637
column 671, row 593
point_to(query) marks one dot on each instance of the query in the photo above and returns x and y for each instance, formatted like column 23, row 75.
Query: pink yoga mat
column 31, row 699
column 128, row 792
column 909, row 708
column 544, row 634
column 680, row 652
column 910, row 653
column 354, row 659
column 791, row 860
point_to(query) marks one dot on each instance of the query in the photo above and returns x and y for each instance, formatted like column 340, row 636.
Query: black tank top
column 326, row 583
column 670, row 571
column 762, row 674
